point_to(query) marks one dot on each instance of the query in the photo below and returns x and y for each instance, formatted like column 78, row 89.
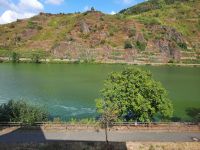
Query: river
column 70, row 90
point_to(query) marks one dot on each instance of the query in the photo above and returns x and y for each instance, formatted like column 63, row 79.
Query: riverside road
column 21, row 136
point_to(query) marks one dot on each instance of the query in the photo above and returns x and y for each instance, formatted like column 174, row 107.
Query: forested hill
column 153, row 31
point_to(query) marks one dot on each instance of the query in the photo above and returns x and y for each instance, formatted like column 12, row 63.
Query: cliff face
column 144, row 33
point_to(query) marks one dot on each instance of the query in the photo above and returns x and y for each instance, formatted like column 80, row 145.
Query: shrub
column 182, row 45
column 132, row 32
column 112, row 30
column 128, row 44
column 15, row 57
column 198, row 25
column 101, row 18
column 171, row 61
column 36, row 58
column 32, row 25
column 21, row 111
column 141, row 45
column 149, row 21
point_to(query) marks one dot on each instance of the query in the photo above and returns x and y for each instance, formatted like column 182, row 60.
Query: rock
column 195, row 139
column 168, row 32
column 168, row 49
column 84, row 27
column 140, row 37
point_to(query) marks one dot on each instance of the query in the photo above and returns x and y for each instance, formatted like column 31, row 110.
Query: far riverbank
column 77, row 61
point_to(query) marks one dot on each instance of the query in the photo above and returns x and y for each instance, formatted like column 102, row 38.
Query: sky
column 11, row 10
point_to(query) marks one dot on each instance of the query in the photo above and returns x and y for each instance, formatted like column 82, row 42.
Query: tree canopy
column 133, row 95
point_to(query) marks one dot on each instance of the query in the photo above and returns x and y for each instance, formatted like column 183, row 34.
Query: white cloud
column 31, row 5
column 127, row 1
column 86, row 8
column 10, row 16
column 54, row 2
column 23, row 9
column 112, row 12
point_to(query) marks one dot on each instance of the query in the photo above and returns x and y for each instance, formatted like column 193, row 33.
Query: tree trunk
column 106, row 131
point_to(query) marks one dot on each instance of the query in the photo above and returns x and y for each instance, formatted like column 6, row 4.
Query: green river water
column 69, row 90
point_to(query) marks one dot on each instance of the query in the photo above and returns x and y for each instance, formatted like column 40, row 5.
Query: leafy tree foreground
column 133, row 95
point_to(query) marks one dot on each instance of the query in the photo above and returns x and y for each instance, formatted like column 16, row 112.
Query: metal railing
column 112, row 123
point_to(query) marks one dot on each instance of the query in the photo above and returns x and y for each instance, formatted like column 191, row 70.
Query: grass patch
column 149, row 20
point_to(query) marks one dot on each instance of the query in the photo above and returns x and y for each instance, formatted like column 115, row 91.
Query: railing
column 135, row 126
column 112, row 124
column 151, row 123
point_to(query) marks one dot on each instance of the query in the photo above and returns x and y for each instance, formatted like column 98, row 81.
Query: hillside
column 146, row 32
column 180, row 15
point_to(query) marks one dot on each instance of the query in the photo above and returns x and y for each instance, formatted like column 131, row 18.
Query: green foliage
column 92, row 9
column 4, row 52
column 36, row 58
column 149, row 6
column 112, row 30
column 33, row 25
column 141, row 45
column 198, row 25
column 161, row 3
column 132, row 94
column 89, row 121
column 84, row 35
column 108, row 113
column 21, row 111
column 182, row 45
column 132, row 32
column 15, row 57
column 53, row 23
column 171, row 61
column 128, row 44
column 149, row 20
column 120, row 16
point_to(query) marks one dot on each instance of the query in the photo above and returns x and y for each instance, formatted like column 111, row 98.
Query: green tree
column 15, row 57
column 92, row 9
column 141, row 45
column 132, row 32
column 36, row 58
column 135, row 96
column 108, row 114
column 128, row 44
column 161, row 3
column 21, row 111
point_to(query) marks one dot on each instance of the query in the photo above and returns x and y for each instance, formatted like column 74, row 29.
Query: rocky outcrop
column 168, row 41
column 168, row 49
column 168, row 33
column 84, row 27
column 139, row 37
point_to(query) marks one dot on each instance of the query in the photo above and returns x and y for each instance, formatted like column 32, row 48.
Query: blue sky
column 10, row 10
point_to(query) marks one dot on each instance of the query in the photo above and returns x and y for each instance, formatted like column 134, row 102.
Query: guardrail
column 136, row 126
column 112, row 123
column 152, row 123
